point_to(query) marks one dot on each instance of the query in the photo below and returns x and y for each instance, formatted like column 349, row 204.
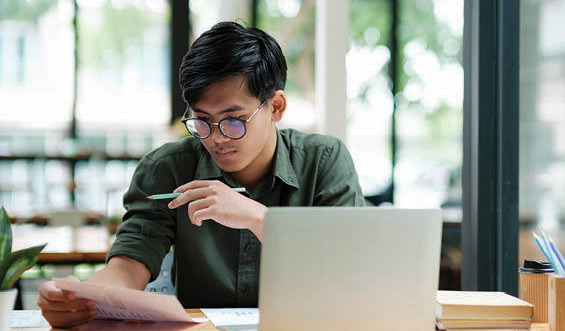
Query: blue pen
column 556, row 252
column 559, row 271
column 546, row 253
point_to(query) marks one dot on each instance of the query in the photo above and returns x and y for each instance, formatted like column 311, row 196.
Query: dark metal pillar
column 180, row 39
column 394, row 82
column 490, row 139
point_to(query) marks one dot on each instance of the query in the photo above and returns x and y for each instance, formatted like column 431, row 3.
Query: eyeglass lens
column 230, row 127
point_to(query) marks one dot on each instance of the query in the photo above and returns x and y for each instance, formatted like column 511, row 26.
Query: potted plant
column 12, row 265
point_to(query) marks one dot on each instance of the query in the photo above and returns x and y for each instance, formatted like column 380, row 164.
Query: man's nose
column 217, row 134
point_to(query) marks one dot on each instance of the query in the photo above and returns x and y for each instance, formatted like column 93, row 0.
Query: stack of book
column 466, row 310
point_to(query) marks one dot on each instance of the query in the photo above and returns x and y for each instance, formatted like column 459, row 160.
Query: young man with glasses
column 232, row 80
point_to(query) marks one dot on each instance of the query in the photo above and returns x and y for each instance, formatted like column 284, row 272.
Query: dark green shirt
column 218, row 266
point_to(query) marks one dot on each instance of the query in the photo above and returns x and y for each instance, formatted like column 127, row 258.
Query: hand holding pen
column 174, row 195
column 214, row 200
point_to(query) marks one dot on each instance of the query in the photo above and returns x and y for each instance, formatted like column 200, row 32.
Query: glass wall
column 370, row 99
column 36, row 93
column 542, row 123
column 36, row 71
column 428, row 104
column 122, row 97
column 123, row 72
column 293, row 25
column 84, row 92
column 205, row 13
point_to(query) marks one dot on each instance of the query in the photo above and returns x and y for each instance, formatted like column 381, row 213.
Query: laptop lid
column 346, row 268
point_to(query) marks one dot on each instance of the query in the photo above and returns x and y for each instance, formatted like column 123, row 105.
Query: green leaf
column 15, row 265
column 5, row 235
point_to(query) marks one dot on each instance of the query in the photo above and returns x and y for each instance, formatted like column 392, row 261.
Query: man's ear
column 278, row 101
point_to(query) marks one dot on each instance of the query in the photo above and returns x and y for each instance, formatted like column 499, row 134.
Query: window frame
column 490, row 145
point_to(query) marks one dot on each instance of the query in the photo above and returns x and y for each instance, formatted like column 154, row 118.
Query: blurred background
column 87, row 87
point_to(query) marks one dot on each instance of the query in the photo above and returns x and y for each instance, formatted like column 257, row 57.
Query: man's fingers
column 203, row 215
column 68, row 319
column 182, row 188
column 50, row 292
column 188, row 196
column 61, row 308
column 196, row 211
column 68, row 305
column 72, row 278
column 194, row 185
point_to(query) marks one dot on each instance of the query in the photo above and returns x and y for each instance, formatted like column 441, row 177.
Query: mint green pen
column 174, row 195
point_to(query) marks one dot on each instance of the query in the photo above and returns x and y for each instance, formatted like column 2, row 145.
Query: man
column 232, row 80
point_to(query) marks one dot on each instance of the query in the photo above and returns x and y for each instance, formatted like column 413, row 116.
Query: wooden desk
column 121, row 325
column 71, row 257
column 197, row 313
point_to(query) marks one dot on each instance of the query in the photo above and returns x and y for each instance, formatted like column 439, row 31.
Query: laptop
column 346, row 268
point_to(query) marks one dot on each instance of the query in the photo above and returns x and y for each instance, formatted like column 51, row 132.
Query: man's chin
column 229, row 167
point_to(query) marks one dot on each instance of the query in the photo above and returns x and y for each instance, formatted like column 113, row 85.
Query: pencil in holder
column 556, row 304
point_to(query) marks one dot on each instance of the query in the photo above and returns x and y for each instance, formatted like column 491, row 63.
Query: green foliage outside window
column 19, row 10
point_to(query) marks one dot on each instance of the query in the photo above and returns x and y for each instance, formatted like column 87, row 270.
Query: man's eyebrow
column 227, row 110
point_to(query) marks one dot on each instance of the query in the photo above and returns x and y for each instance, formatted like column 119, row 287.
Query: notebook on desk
column 344, row 268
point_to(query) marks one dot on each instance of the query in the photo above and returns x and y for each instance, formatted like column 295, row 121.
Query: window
column 370, row 99
column 542, row 123
column 204, row 14
column 36, row 79
column 428, row 103
column 123, row 72
column 292, row 24
column 65, row 130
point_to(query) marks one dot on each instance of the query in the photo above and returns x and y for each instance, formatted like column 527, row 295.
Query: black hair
column 227, row 50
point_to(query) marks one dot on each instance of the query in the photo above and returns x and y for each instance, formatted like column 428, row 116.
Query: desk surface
column 120, row 325
column 71, row 257
column 208, row 326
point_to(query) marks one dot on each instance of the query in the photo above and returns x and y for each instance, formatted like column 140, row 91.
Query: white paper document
column 114, row 302
column 232, row 316
column 27, row 319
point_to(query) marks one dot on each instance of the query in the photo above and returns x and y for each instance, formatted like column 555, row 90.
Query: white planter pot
column 7, row 300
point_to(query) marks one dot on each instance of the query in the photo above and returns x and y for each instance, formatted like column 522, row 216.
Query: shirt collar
column 208, row 169
column 283, row 168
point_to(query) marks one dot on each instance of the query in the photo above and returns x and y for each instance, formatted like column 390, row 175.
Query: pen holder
column 556, row 303
column 533, row 280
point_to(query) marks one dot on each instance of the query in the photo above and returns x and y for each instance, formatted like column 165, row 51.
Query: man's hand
column 212, row 199
column 61, row 308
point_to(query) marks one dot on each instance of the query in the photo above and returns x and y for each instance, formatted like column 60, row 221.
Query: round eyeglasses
column 233, row 128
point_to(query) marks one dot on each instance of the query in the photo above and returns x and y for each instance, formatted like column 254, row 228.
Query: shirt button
column 247, row 247
column 245, row 288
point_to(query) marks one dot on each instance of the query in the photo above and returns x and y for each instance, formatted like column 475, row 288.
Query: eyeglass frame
column 211, row 125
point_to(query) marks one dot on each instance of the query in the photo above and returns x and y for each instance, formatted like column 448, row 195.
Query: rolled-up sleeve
column 148, row 226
